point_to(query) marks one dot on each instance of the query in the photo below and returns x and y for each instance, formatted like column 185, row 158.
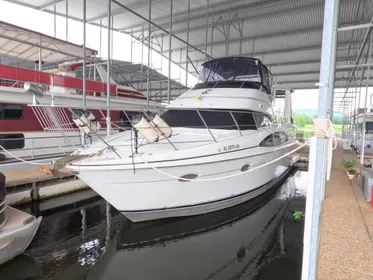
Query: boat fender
column 163, row 129
column 92, row 121
column 81, row 121
column 145, row 128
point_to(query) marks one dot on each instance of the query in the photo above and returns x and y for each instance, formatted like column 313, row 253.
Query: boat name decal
column 229, row 148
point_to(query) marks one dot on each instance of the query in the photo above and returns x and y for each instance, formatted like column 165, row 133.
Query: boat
column 17, row 228
column 361, row 121
column 33, row 134
column 216, row 146
column 220, row 245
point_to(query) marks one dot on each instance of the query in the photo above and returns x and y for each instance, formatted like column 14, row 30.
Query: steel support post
column 108, row 120
column 84, row 53
column 54, row 21
column 67, row 20
column 333, row 57
column 142, row 59
column 365, row 103
column 207, row 27
column 131, row 44
column 187, row 49
column 148, row 71
column 169, row 54
column 318, row 149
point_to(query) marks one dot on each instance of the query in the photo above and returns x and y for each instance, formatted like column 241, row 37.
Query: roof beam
column 120, row 11
column 51, row 3
column 281, row 51
column 217, row 10
column 259, row 37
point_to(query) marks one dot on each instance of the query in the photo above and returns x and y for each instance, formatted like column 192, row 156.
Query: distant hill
column 311, row 112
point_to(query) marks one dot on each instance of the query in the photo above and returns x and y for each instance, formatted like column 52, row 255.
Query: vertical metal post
column 212, row 31
column 169, row 54
column 108, row 120
column 318, row 150
column 67, row 20
column 148, row 72
column 101, row 37
column 142, row 59
column 131, row 43
column 162, row 40
column 84, row 52
column 54, row 21
column 207, row 27
column 187, row 49
column 365, row 103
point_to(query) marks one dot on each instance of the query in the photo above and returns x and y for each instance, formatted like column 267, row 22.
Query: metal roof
column 22, row 43
column 286, row 35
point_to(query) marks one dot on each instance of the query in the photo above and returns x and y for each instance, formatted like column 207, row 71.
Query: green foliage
column 301, row 120
column 351, row 171
column 298, row 214
column 348, row 164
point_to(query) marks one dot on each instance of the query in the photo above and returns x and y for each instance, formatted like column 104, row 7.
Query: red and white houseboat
column 30, row 133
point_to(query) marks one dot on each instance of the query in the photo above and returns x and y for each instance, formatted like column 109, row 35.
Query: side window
column 12, row 141
column 262, row 120
column 218, row 120
column 245, row 121
column 267, row 142
column 11, row 111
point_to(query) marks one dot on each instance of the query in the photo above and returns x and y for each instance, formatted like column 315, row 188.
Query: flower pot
column 350, row 176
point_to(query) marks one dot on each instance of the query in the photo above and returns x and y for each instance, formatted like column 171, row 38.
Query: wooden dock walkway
column 346, row 230
column 32, row 175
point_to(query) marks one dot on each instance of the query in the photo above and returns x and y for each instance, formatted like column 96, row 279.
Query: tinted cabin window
column 12, row 141
column 245, row 121
column 11, row 111
column 182, row 118
column 218, row 120
column 262, row 120
column 275, row 139
column 214, row 119
column 267, row 142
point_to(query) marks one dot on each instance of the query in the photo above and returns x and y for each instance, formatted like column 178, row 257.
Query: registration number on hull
column 229, row 148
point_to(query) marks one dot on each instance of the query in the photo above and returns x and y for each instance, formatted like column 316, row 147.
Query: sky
column 44, row 22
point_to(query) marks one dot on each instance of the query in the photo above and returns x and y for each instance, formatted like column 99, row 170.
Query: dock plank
column 32, row 175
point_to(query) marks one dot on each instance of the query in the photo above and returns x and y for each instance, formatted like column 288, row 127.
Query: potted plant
column 349, row 166
column 351, row 173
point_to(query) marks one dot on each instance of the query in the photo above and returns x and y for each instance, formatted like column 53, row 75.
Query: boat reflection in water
column 230, row 244
column 96, row 242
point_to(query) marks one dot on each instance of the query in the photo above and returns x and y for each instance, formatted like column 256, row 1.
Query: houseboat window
column 369, row 127
column 214, row 119
column 11, row 111
column 12, row 141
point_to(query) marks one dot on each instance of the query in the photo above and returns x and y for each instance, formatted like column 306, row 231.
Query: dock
column 37, row 183
column 346, row 227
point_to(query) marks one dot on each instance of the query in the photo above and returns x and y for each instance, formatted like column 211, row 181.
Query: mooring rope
column 20, row 159
column 228, row 176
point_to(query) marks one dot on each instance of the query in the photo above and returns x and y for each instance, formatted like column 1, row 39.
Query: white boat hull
column 147, row 194
column 17, row 233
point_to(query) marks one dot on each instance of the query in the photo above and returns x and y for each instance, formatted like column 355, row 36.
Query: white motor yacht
column 214, row 147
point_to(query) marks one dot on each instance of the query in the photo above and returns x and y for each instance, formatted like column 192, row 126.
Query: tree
column 301, row 119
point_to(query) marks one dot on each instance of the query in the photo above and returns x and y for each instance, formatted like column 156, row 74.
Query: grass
column 308, row 130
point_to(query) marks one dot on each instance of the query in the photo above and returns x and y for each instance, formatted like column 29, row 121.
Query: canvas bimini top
column 245, row 72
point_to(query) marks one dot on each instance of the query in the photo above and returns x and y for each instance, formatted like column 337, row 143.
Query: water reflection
column 95, row 242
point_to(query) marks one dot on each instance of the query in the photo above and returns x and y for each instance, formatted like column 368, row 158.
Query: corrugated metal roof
column 276, row 31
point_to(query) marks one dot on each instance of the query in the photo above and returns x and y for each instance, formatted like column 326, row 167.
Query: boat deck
column 346, row 231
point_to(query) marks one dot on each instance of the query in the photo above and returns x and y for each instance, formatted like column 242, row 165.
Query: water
column 257, row 240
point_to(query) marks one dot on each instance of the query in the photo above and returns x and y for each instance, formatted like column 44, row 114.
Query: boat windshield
column 236, row 69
